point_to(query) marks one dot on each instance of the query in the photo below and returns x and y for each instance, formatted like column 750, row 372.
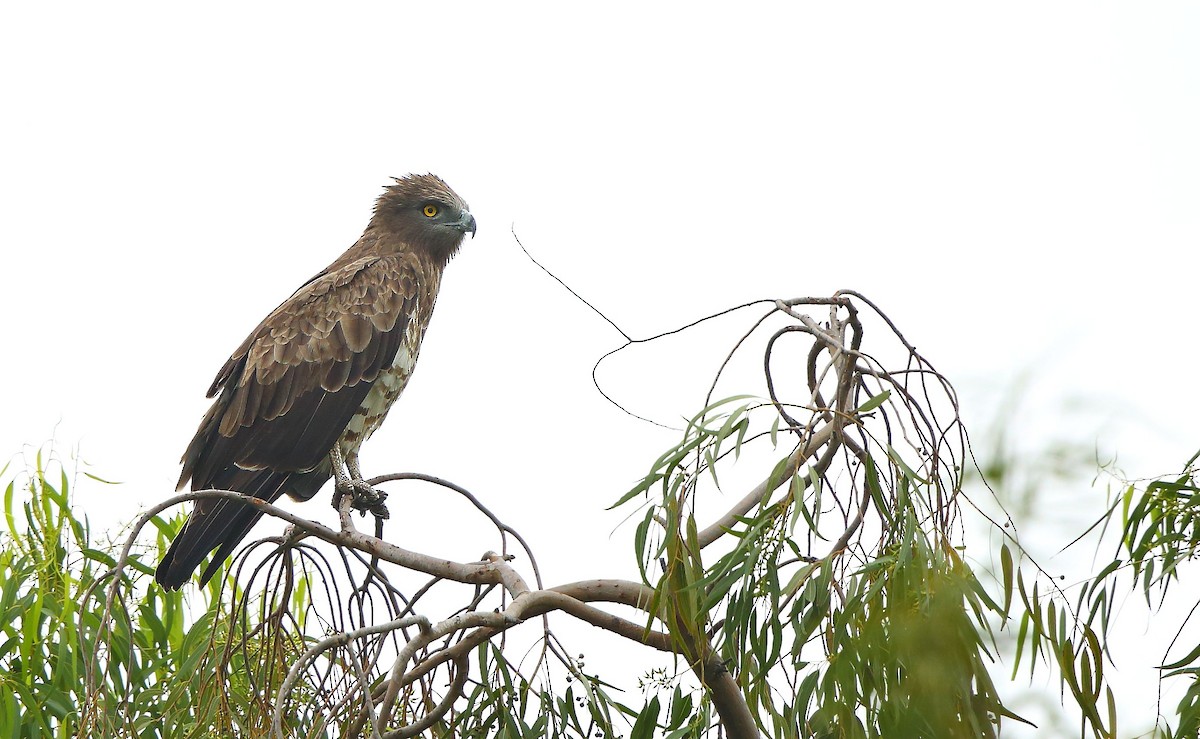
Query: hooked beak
column 465, row 223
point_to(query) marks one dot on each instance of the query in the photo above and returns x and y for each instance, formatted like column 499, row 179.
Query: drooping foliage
column 808, row 568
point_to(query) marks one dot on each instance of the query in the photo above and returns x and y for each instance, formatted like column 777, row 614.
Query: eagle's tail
column 222, row 524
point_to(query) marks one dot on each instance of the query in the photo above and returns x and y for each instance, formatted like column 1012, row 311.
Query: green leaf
column 1006, row 569
column 647, row 721
column 874, row 402
column 1191, row 657
column 637, row 490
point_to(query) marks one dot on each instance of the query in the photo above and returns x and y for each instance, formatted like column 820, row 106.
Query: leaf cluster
column 150, row 670
column 1158, row 533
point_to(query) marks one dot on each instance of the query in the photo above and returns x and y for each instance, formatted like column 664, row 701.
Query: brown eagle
column 317, row 376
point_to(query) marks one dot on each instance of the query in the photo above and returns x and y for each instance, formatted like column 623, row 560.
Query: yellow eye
column 430, row 210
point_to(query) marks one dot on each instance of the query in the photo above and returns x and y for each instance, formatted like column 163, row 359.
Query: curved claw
column 367, row 498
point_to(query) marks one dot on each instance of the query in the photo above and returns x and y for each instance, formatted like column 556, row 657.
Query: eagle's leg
column 366, row 498
column 348, row 480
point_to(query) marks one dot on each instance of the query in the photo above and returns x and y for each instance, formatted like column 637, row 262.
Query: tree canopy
column 812, row 564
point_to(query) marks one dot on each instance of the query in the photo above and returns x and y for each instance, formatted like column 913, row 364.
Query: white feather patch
column 386, row 389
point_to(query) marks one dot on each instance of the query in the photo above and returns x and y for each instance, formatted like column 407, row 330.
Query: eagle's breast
column 387, row 386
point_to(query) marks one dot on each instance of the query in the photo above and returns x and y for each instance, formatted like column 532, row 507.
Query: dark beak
column 465, row 223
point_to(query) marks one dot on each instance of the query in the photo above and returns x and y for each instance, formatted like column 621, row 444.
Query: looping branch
column 868, row 435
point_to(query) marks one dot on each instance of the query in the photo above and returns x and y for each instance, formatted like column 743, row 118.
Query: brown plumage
column 322, row 369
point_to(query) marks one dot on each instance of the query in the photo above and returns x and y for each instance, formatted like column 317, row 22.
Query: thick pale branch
column 572, row 598
column 544, row 601
column 803, row 453
column 736, row 718
column 626, row 592
column 494, row 571
column 569, row 598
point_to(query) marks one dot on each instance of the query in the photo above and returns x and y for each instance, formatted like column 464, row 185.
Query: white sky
column 1016, row 184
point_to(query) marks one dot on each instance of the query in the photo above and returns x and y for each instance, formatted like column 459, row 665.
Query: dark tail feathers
column 222, row 524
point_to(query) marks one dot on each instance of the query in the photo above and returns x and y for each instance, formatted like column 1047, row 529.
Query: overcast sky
column 1016, row 184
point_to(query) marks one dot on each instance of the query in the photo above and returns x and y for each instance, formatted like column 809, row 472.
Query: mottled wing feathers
column 313, row 358
column 285, row 396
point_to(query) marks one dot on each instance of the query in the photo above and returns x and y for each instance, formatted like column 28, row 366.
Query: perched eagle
column 318, row 375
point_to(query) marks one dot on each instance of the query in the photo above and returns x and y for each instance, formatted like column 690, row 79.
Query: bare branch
column 803, row 453
column 453, row 693
column 337, row 640
column 495, row 621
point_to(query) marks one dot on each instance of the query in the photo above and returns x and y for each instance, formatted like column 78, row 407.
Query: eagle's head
column 424, row 213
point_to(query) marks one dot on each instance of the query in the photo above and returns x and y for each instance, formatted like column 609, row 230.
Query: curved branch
column 461, row 671
column 572, row 598
column 491, row 571
column 494, row 621
column 500, row 525
column 337, row 640
column 804, row 452
column 569, row 598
